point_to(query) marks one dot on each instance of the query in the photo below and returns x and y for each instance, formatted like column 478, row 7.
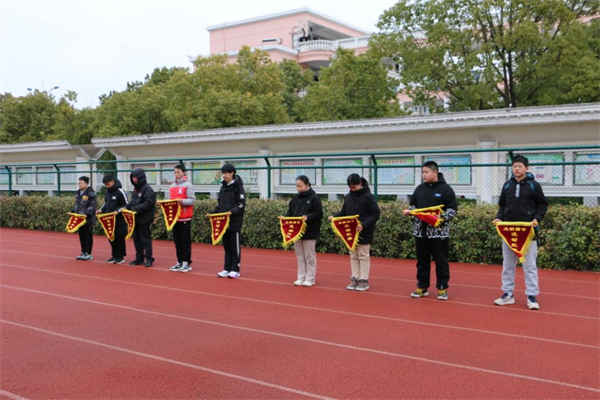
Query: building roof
column 413, row 123
column 304, row 10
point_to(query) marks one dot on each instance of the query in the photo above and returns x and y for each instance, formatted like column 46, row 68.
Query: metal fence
column 571, row 173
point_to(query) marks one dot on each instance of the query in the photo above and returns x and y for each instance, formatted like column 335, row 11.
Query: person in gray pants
column 522, row 200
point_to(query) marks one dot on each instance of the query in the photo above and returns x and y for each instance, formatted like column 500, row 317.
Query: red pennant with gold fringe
column 429, row 215
column 517, row 235
column 345, row 228
column 130, row 220
column 292, row 229
column 75, row 222
column 108, row 222
column 218, row 224
column 171, row 211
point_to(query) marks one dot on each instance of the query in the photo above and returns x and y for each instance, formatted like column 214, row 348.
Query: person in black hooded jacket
column 115, row 199
column 432, row 241
column 307, row 204
column 232, row 199
column 360, row 201
column 143, row 203
column 85, row 203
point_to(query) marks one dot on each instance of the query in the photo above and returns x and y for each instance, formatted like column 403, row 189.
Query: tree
column 296, row 83
column 352, row 87
column 494, row 53
column 28, row 118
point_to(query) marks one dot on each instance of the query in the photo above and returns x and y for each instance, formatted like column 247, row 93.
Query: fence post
column 9, row 180
column 268, row 177
column 57, row 179
column 375, row 177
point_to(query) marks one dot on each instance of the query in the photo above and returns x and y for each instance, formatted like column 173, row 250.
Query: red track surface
column 89, row 330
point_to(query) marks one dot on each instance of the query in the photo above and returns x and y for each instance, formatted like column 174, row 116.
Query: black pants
column 438, row 249
column 142, row 241
column 182, row 236
column 118, row 247
column 233, row 251
column 86, row 238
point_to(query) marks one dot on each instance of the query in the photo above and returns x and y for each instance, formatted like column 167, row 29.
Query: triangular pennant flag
column 130, row 220
column 171, row 210
column 429, row 215
column 108, row 222
column 218, row 225
column 517, row 235
column 75, row 222
column 345, row 228
column 292, row 229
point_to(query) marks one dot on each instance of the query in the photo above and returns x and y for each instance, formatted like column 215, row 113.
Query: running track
column 89, row 330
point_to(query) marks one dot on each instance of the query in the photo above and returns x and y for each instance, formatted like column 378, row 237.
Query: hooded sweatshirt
column 307, row 203
column 115, row 199
column 143, row 199
column 232, row 197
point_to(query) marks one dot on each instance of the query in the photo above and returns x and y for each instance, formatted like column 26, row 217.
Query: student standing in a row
column 115, row 199
column 86, row 203
column 143, row 203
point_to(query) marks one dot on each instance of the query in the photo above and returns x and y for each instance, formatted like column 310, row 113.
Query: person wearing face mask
column 360, row 201
column 432, row 242
column 306, row 204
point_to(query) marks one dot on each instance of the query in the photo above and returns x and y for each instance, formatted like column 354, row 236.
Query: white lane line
column 11, row 395
column 369, row 293
column 373, row 264
column 304, row 339
column 280, row 304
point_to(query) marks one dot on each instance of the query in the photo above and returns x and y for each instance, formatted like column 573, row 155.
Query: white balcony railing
column 332, row 45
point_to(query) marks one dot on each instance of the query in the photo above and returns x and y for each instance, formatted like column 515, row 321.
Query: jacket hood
column 441, row 179
column 365, row 187
column 309, row 192
column 116, row 186
column 528, row 177
column 180, row 181
column 141, row 177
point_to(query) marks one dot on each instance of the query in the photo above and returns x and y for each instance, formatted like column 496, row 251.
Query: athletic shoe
column 223, row 274
column 363, row 285
column 111, row 260
column 136, row 262
column 185, row 267
column 80, row 257
column 298, row 283
column 148, row 264
column 505, row 299
column 308, row 284
column 419, row 293
column 234, row 275
column 88, row 257
column 120, row 261
column 443, row 294
column 532, row 303
column 175, row 267
column 353, row 284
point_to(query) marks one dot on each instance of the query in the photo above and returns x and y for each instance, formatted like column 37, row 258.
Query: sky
column 93, row 47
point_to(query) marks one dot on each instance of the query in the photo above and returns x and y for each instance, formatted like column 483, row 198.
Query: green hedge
column 569, row 238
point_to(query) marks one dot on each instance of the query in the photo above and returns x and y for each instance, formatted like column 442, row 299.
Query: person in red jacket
column 183, row 191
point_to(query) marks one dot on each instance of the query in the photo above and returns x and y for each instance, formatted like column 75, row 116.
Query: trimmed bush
column 569, row 238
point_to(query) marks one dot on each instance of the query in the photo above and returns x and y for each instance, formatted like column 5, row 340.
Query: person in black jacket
column 432, row 241
column 232, row 200
column 143, row 203
column 115, row 199
column 85, row 203
column 306, row 204
column 522, row 200
column 360, row 201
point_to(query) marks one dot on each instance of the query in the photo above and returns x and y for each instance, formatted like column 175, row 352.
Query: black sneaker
column 148, row 264
column 111, row 260
column 137, row 262
column 119, row 261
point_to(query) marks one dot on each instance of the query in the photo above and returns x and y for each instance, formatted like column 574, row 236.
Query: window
column 46, row 176
column 587, row 174
column 167, row 176
column 339, row 176
column 24, row 177
column 207, row 177
column 396, row 176
column 67, row 177
column 450, row 168
column 4, row 175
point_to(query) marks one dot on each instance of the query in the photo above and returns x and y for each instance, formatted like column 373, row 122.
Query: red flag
column 345, row 228
column 75, row 222
column 130, row 219
column 108, row 222
column 430, row 215
column 171, row 210
column 292, row 229
column 517, row 235
column 218, row 224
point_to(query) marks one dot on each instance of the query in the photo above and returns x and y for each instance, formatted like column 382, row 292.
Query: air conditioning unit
column 272, row 40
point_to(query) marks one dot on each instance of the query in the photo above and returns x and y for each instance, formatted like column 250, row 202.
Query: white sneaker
column 234, row 275
column 223, row 274
column 505, row 299
column 532, row 303
column 185, row 267
column 308, row 284
column 175, row 267
column 298, row 283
